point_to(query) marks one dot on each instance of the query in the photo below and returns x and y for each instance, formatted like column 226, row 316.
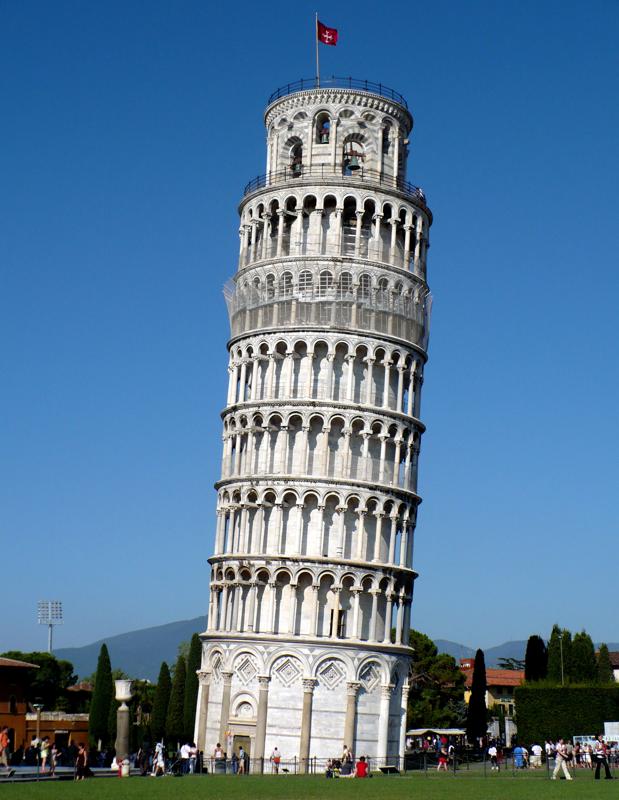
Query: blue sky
column 128, row 132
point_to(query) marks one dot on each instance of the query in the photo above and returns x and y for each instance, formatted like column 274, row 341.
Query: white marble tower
column 317, row 502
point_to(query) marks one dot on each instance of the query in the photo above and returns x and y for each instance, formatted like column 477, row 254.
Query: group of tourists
column 596, row 755
column 347, row 767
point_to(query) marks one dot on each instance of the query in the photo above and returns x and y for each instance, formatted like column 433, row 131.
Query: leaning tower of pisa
column 306, row 647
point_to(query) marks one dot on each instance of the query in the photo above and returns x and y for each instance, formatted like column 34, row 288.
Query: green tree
column 48, row 684
column 194, row 660
column 477, row 718
column 604, row 667
column 102, row 699
column 583, row 667
column 568, row 661
column 175, row 724
column 160, row 703
column 536, row 659
column 436, row 686
column 554, row 655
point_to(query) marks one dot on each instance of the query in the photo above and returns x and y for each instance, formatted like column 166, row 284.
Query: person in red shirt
column 361, row 768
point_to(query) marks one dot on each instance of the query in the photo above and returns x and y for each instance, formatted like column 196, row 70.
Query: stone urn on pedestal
column 123, row 696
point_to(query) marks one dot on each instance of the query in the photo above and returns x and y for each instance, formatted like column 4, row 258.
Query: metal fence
column 461, row 764
column 334, row 82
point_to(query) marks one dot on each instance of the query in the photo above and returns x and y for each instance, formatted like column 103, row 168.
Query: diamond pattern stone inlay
column 332, row 673
column 246, row 669
column 287, row 671
column 370, row 677
column 217, row 668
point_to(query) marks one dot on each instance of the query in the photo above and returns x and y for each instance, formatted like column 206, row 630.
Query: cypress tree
column 161, row 702
column 194, row 660
column 102, row 698
column 175, row 724
column 536, row 659
column 568, row 661
column 604, row 667
column 554, row 655
column 477, row 716
column 583, row 663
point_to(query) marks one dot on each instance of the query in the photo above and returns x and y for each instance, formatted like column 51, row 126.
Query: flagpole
column 317, row 61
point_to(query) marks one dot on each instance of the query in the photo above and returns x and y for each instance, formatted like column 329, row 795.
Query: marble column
column 403, row 714
column 204, row 686
column 306, row 722
column 352, row 690
column 261, row 719
column 383, row 723
column 225, row 706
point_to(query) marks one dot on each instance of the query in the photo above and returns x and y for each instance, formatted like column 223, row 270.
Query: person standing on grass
column 494, row 757
column 275, row 760
column 536, row 756
column 561, row 757
column 600, row 757
column 4, row 747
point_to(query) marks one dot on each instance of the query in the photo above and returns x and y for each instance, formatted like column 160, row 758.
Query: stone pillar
column 392, row 537
column 352, row 689
column 356, row 595
column 401, row 370
column 383, row 723
column 392, row 247
column 199, row 735
column 396, row 157
column 306, row 722
column 407, row 246
column 359, row 215
column 387, row 365
column 261, row 719
column 280, row 231
column 251, row 613
column 368, row 391
column 359, row 555
column 225, row 706
column 399, row 624
column 350, row 363
column 388, row 615
column 403, row 714
column 378, row 536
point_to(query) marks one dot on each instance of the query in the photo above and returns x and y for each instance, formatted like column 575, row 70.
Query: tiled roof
column 12, row 662
column 498, row 677
column 614, row 659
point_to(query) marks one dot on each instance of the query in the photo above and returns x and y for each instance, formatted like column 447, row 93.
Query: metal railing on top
column 303, row 173
column 334, row 82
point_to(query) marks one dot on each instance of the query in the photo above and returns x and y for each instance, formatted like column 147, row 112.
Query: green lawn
column 290, row 787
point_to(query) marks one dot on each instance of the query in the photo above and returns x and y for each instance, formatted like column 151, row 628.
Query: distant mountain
column 454, row 649
column 138, row 653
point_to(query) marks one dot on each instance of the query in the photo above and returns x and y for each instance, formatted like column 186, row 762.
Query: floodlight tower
column 49, row 612
column 307, row 642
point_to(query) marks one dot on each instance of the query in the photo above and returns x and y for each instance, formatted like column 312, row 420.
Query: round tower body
column 306, row 647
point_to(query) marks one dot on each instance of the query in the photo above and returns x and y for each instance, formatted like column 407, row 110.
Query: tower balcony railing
column 334, row 82
column 302, row 174
column 403, row 317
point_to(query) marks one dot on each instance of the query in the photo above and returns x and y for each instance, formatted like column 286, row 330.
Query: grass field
column 430, row 787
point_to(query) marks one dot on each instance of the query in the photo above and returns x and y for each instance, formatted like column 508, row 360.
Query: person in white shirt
column 536, row 756
column 494, row 760
column 185, row 758
column 561, row 761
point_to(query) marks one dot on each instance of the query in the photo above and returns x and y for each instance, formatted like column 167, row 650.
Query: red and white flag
column 326, row 35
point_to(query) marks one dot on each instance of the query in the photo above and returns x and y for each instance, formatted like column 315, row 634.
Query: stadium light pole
column 49, row 612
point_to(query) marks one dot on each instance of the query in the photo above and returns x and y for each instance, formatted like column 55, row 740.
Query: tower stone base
column 302, row 698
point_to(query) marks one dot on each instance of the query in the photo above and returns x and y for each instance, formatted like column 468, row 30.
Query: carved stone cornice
column 339, row 97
